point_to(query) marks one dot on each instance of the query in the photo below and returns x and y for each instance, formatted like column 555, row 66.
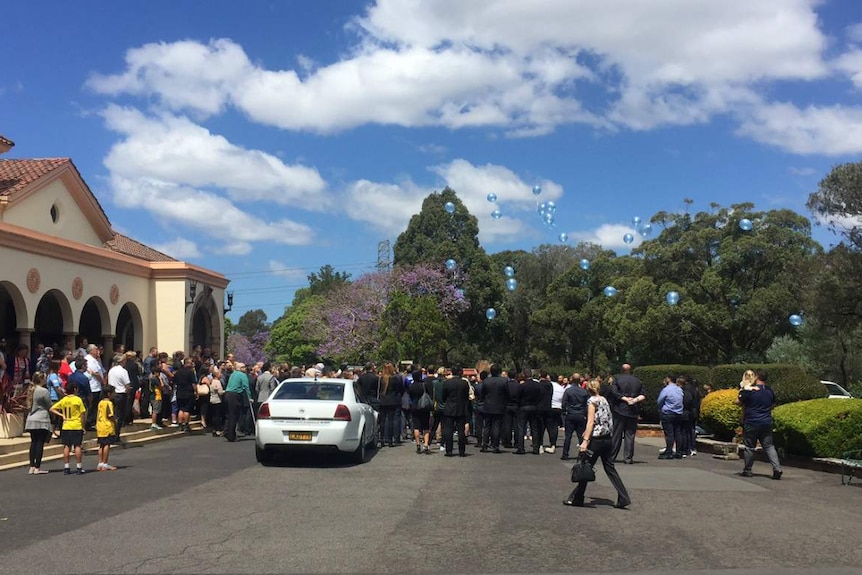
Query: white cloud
column 609, row 236
column 280, row 269
column 175, row 149
column 391, row 205
column 850, row 64
column 179, row 248
column 830, row 130
column 802, row 172
column 854, row 32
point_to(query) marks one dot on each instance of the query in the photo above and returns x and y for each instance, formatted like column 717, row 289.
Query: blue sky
column 266, row 139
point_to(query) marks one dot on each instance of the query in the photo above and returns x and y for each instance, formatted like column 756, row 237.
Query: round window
column 55, row 213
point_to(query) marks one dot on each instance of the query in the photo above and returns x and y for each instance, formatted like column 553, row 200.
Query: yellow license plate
column 299, row 435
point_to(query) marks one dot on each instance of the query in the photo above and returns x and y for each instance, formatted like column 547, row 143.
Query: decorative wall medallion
column 115, row 294
column 77, row 288
column 34, row 280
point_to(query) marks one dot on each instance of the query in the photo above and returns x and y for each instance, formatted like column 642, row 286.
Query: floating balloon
column 537, row 190
column 490, row 313
column 449, row 207
column 509, row 271
column 451, row 264
column 645, row 230
column 564, row 237
column 672, row 297
column 550, row 206
column 497, row 214
column 628, row 238
column 610, row 291
column 796, row 320
column 548, row 218
column 636, row 221
column 492, row 197
column 585, row 264
column 745, row 225
column 511, row 284
column 542, row 208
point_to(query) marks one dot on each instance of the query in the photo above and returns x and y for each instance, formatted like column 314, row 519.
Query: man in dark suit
column 528, row 399
column 544, row 414
column 456, row 397
column 510, row 417
column 627, row 392
column 495, row 397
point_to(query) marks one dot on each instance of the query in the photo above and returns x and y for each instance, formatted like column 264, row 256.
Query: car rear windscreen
column 311, row 390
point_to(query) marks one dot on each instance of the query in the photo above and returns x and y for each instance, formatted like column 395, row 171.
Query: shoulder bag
column 583, row 470
column 424, row 403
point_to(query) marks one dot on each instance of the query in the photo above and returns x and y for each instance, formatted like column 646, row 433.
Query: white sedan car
column 309, row 414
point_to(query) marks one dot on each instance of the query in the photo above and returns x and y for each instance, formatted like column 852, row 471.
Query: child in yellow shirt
column 71, row 412
column 106, row 424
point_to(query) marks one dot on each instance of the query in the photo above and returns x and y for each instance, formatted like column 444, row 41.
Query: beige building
column 66, row 275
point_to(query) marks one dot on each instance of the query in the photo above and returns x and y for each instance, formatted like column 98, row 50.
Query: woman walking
column 598, row 443
column 391, row 389
column 38, row 421
column 421, row 414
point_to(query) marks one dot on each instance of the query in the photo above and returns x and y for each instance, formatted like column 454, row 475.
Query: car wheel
column 361, row 453
column 263, row 455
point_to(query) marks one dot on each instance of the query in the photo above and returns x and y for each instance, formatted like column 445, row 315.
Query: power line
column 315, row 268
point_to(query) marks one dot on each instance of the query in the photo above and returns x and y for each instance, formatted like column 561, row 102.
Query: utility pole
column 383, row 260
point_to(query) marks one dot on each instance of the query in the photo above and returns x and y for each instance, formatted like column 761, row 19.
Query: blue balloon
column 537, row 190
column 490, row 313
column 610, row 291
column 645, row 230
column 628, row 238
column 745, row 225
column 548, row 218
column 636, row 221
column 492, row 197
column 451, row 264
column 585, row 264
column 796, row 320
column 509, row 271
column 511, row 284
column 564, row 237
column 497, row 214
column 550, row 206
column 542, row 208
column 449, row 207
column 672, row 297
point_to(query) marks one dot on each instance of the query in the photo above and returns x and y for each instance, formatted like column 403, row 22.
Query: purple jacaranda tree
column 248, row 350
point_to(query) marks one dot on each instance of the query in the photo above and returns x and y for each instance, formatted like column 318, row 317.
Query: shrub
column 652, row 376
column 819, row 427
column 720, row 414
column 789, row 382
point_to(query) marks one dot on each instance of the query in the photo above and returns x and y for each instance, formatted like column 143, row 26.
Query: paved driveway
column 201, row 505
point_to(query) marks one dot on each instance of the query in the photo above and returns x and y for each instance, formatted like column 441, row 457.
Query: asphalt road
column 202, row 505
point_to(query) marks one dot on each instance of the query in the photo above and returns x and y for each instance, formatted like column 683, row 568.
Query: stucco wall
column 35, row 213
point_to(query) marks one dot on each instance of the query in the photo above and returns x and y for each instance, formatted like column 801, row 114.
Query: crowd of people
column 598, row 415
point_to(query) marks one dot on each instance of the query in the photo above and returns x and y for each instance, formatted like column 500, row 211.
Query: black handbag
column 583, row 470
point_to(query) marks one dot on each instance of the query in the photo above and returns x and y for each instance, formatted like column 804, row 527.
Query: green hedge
column 652, row 376
column 720, row 414
column 789, row 382
column 819, row 427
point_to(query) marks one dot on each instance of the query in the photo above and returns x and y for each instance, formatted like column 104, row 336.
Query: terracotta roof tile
column 128, row 246
column 15, row 175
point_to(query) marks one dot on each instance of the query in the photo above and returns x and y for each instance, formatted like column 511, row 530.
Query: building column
column 24, row 336
column 108, row 342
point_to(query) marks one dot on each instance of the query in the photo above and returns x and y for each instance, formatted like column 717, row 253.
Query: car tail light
column 263, row 412
column 342, row 413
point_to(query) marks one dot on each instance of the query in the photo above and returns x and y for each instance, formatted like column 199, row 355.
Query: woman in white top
column 598, row 443
column 215, row 413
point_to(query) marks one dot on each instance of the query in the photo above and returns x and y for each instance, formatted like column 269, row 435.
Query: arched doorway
column 13, row 313
column 53, row 319
column 94, row 321
column 204, row 326
column 129, row 327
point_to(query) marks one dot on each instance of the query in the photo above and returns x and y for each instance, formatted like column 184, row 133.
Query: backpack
column 424, row 403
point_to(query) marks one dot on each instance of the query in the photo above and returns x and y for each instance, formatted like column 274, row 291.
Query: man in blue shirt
column 757, row 404
column 670, row 406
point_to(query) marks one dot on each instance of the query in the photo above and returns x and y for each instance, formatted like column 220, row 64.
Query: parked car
column 315, row 415
column 835, row 391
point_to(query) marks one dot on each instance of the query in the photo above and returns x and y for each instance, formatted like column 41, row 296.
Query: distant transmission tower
column 383, row 260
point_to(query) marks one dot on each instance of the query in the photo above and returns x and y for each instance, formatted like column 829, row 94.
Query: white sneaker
column 662, row 450
column 155, row 427
column 693, row 452
column 175, row 424
column 551, row 449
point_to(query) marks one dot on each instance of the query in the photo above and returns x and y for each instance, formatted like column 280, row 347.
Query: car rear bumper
column 306, row 436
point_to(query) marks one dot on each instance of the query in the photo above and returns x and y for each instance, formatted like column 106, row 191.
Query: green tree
column 838, row 201
column 296, row 335
column 326, row 280
column 252, row 322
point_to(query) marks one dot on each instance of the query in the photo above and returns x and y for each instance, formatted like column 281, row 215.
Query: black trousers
column 624, row 427
column 450, row 424
column 528, row 415
column 93, row 408
column 602, row 447
column 552, row 422
column 575, row 423
column 215, row 416
column 233, row 401
column 674, row 434
column 38, row 439
column 478, row 424
column 510, row 424
column 129, row 415
column 120, row 402
column 493, row 424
